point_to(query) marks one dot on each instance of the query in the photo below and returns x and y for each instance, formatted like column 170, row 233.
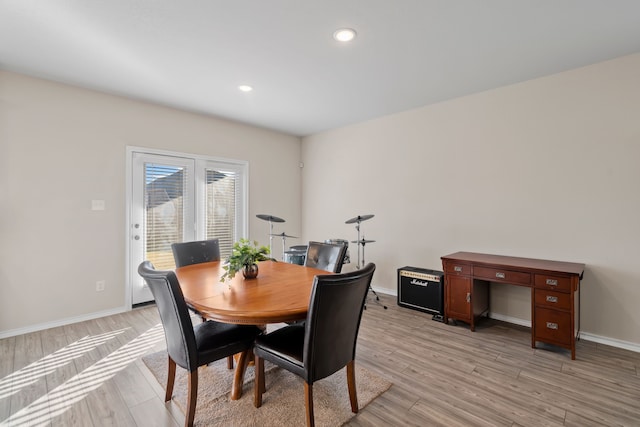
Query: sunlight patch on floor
column 28, row 375
column 61, row 398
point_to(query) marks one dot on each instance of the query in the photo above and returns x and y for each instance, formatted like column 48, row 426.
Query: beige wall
column 61, row 147
column 547, row 169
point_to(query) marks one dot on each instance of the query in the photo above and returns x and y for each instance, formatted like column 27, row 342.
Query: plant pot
column 250, row 271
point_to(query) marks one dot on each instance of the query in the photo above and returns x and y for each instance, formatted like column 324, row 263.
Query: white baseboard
column 61, row 322
column 583, row 335
column 386, row 291
column 610, row 341
column 509, row 319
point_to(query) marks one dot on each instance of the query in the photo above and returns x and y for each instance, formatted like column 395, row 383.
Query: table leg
column 243, row 360
column 238, row 377
column 236, row 357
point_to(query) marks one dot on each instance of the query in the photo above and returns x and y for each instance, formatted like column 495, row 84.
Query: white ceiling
column 192, row 54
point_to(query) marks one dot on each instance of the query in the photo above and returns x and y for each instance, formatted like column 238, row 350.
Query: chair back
column 187, row 253
column 333, row 321
column 178, row 329
column 325, row 256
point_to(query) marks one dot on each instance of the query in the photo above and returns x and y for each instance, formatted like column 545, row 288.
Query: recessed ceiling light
column 245, row 88
column 344, row 34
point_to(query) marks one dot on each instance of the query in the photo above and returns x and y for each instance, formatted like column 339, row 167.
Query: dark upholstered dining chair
column 325, row 256
column 197, row 252
column 190, row 346
column 188, row 253
column 325, row 343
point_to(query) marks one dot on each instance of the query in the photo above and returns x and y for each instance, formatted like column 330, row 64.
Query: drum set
column 296, row 254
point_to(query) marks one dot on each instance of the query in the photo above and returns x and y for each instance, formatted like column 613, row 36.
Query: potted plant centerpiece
column 245, row 256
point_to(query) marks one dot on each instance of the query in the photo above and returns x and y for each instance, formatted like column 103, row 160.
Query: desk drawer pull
column 552, row 282
column 552, row 298
column 468, row 297
column 500, row 275
column 457, row 269
column 551, row 325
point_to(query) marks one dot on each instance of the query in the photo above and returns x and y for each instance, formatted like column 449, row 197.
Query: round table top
column 280, row 293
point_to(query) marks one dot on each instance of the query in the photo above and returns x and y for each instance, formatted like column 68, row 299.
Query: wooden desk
column 280, row 293
column 555, row 307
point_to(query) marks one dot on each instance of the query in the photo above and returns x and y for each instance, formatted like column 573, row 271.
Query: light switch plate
column 97, row 205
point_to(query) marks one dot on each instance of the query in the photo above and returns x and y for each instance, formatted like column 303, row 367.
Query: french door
column 177, row 198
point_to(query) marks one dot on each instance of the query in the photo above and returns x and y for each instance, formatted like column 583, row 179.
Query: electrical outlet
column 100, row 285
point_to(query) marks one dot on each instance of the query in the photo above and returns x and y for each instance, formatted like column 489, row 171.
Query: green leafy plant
column 244, row 253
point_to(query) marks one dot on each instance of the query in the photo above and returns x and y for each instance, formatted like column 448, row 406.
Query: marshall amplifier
column 422, row 290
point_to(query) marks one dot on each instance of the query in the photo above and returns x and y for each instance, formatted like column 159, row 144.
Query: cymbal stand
column 363, row 242
column 270, row 236
column 271, row 219
column 284, row 238
column 358, row 228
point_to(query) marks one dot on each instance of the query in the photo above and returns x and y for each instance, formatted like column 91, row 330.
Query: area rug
column 283, row 402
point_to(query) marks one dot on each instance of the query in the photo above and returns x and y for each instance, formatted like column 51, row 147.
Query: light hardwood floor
column 91, row 374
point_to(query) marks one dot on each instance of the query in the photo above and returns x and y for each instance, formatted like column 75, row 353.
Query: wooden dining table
column 280, row 293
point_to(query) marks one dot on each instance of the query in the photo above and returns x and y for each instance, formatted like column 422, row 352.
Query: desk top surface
column 517, row 262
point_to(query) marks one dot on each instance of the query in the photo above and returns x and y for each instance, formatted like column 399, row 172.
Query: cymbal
column 362, row 241
column 283, row 235
column 270, row 218
column 359, row 218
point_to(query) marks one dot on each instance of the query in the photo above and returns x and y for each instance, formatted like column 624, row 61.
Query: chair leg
column 229, row 362
column 171, row 376
column 351, row 384
column 258, row 386
column 192, row 396
column 308, row 403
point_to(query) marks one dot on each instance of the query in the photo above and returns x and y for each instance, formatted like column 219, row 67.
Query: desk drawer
column 552, row 299
column 555, row 283
column 500, row 275
column 553, row 326
column 453, row 267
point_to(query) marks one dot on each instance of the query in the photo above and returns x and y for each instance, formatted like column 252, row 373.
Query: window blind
column 164, row 193
column 220, row 221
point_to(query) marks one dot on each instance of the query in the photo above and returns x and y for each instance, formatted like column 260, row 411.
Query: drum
column 296, row 254
column 347, row 259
